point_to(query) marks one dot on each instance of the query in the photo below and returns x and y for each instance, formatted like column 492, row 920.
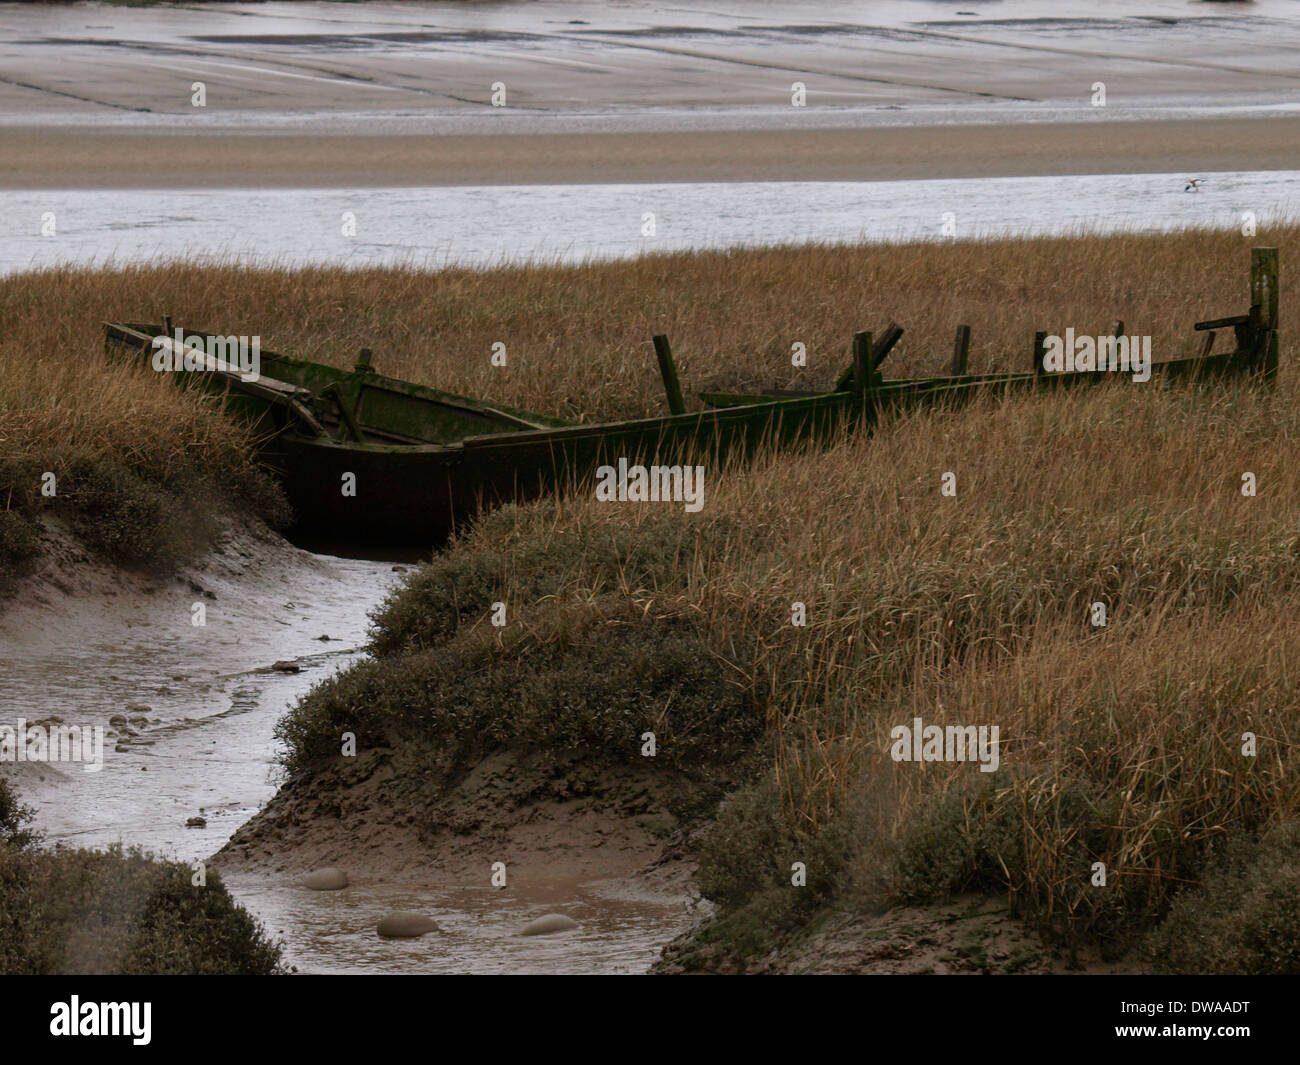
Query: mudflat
column 84, row 157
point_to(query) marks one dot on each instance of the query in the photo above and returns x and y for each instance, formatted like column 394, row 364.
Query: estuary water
column 486, row 226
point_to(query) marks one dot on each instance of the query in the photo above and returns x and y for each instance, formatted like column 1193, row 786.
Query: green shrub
column 121, row 912
column 121, row 516
column 20, row 539
column 14, row 819
column 185, row 929
column 1243, row 918
column 504, row 560
column 575, row 681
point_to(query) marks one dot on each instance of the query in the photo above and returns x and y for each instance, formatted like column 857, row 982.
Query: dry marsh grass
column 578, row 337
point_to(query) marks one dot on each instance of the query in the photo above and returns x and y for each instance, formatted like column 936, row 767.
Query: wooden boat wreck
column 364, row 457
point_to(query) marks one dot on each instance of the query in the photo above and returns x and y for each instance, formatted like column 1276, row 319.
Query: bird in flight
column 1194, row 184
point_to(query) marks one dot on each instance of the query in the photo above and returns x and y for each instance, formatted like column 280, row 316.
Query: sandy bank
column 84, row 157
column 393, row 813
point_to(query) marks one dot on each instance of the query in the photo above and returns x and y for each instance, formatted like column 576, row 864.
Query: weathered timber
column 668, row 371
column 961, row 351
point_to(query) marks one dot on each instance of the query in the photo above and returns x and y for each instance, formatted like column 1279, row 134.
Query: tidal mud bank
column 485, row 854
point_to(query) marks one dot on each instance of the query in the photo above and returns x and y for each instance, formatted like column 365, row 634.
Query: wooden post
column 888, row 339
column 863, row 370
column 1263, row 294
column 668, row 371
column 167, row 326
column 363, row 362
column 1263, row 284
column 1040, row 349
column 879, row 349
column 961, row 351
column 1117, row 331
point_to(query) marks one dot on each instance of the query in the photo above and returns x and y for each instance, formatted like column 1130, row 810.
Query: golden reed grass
column 578, row 337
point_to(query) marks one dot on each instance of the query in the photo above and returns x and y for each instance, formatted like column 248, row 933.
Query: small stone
column 285, row 666
column 118, row 721
column 138, row 708
column 549, row 924
column 327, row 879
column 197, row 822
column 323, row 637
column 402, row 924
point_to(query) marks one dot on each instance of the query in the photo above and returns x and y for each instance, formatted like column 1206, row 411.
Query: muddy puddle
column 621, row 928
column 189, row 712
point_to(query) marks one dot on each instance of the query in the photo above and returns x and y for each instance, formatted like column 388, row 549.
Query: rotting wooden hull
column 422, row 494
column 379, row 405
column 402, row 463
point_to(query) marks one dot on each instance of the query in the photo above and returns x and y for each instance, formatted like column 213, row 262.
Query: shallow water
column 210, row 698
column 621, row 930
column 485, row 226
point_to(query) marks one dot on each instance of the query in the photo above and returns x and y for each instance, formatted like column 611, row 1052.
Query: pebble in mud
column 402, row 924
column 286, row 667
column 549, row 924
column 328, row 879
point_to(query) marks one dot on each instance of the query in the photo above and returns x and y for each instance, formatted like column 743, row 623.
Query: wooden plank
column 882, row 348
column 863, row 366
column 891, row 336
column 1222, row 323
column 1263, row 285
column 961, row 351
column 668, row 371
column 1040, row 349
column 1264, row 295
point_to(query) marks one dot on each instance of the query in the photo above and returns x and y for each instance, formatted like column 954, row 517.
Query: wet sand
column 378, row 94
column 569, row 57
column 75, row 158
